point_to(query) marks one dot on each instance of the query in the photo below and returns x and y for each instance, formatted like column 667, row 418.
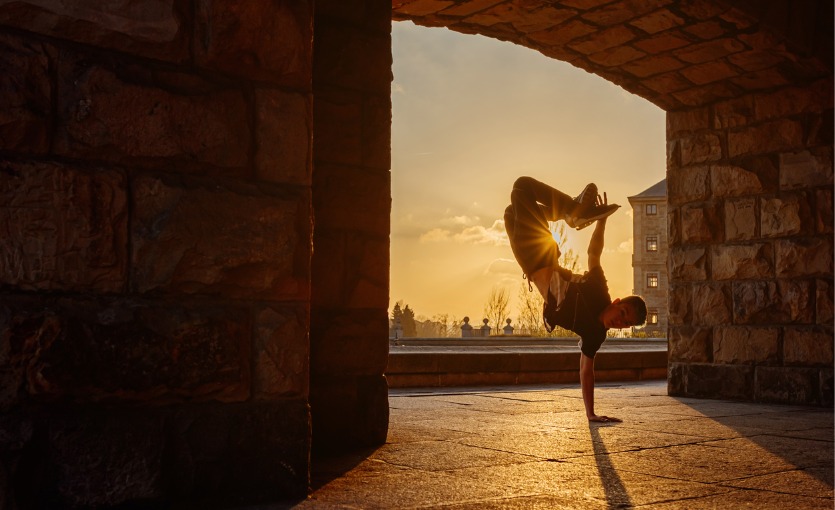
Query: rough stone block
column 652, row 65
column 699, row 148
column 740, row 219
column 284, row 133
column 223, row 456
column 688, row 264
column 681, row 304
column 348, row 342
column 780, row 135
column 773, row 302
column 689, row 344
column 811, row 256
column 719, row 381
column 788, row 385
column 63, row 228
column 121, row 350
column 733, row 113
column 686, row 122
column 824, row 302
column 701, row 223
column 746, row 345
column 662, row 43
column 709, row 51
column 604, row 39
column 281, row 353
column 349, row 412
column 338, row 120
column 203, row 238
column 338, row 190
column 741, row 262
column 364, row 285
column 727, row 180
column 561, row 34
column 824, row 211
column 804, row 170
column 125, row 117
column 793, row 100
column 148, row 28
column 808, row 347
column 264, row 41
column 709, row 72
column 688, row 185
column 673, row 227
column 658, row 21
column 94, row 460
column 352, row 58
column 25, row 94
column 712, row 304
column 785, row 215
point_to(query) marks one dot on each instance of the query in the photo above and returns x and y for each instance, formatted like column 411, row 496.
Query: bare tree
column 529, row 320
column 497, row 308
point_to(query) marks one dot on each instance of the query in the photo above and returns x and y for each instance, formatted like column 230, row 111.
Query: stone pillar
column 466, row 329
column 155, row 203
column 352, row 208
column 508, row 329
column 751, row 247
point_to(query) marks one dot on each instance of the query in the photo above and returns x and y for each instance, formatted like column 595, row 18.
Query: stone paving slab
column 461, row 449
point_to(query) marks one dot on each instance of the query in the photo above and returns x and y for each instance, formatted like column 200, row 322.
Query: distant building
column 649, row 255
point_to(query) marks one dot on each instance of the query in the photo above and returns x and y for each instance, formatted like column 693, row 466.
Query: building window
column 652, row 280
column 652, row 209
column 652, row 318
column 652, row 243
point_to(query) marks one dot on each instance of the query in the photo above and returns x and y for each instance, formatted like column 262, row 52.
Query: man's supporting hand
column 605, row 419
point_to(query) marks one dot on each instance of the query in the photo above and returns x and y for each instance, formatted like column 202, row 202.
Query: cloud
column 462, row 230
column 503, row 267
column 624, row 247
column 462, row 220
column 493, row 235
column 436, row 235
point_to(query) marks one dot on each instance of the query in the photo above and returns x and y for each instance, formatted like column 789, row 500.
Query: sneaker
column 596, row 213
column 586, row 201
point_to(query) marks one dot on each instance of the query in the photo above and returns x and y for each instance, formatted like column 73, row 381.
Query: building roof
column 656, row 190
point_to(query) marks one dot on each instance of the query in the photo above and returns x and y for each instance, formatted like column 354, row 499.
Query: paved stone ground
column 532, row 447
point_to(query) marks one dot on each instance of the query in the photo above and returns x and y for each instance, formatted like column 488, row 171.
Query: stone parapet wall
column 751, row 255
column 156, row 204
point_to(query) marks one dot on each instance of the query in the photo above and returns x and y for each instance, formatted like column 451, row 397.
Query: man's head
column 622, row 313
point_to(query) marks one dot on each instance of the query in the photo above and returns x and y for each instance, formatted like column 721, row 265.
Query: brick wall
column 751, row 247
column 155, row 203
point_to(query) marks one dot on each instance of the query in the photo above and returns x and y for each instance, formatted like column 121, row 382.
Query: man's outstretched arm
column 587, row 388
column 595, row 249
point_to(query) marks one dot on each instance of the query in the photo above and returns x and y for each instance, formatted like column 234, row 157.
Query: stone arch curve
column 677, row 55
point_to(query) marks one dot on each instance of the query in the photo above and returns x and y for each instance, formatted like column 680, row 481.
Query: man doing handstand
column 580, row 303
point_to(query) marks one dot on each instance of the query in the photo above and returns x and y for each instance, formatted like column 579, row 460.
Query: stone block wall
column 352, row 208
column 751, row 247
column 155, row 203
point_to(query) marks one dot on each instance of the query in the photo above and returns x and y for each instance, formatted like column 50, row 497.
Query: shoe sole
column 604, row 214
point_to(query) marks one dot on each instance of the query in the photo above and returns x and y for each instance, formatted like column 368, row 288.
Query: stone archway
column 195, row 204
column 748, row 91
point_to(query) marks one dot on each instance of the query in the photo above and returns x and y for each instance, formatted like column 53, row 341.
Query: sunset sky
column 470, row 115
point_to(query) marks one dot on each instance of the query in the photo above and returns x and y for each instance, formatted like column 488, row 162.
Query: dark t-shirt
column 580, row 310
